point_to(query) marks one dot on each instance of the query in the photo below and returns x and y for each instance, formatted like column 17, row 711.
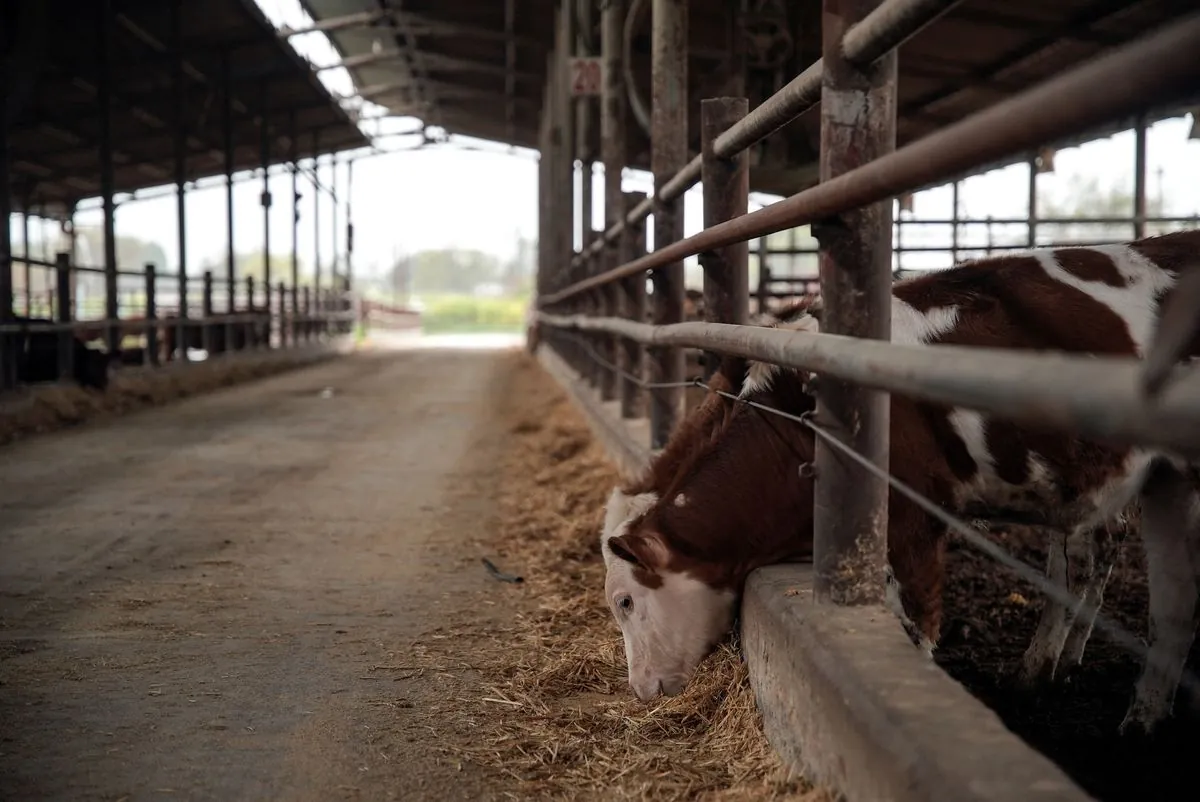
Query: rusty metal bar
column 66, row 339
column 8, row 361
column 294, row 154
column 858, row 125
column 726, row 196
column 1143, row 73
column 613, row 134
column 668, row 154
column 265, row 157
column 227, row 137
column 1098, row 397
column 1031, row 204
column 888, row 25
column 633, row 308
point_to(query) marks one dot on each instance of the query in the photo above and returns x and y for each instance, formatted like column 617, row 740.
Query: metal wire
column 1117, row 633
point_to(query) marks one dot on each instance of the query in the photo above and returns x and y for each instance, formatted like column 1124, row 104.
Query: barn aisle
column 212, row 600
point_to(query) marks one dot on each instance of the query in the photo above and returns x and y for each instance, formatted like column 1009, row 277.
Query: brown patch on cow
column 1089, row 264
column 1006, row 443
column 1179, row 250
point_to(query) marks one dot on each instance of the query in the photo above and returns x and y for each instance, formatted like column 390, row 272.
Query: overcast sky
column 453, row 197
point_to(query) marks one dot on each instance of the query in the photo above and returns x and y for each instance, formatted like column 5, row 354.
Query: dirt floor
column 991, row 616
column 275, row 591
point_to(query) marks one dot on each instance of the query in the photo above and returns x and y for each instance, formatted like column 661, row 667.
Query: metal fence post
column 250, row 340
column 206, row 334
column 151, row 317
column 66, row 337
column 307, row 313
column 281, row 305
column 726, row 184
column 613, row 152
column 633, row 307
column 850, row 539
column 668, row 155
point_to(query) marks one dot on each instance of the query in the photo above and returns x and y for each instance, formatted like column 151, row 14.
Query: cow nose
column 673, row 686
column 646, row 689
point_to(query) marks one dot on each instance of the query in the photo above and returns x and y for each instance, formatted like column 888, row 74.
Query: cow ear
column 646, row 550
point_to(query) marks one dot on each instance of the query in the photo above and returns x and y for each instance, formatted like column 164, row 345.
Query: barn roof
column 54, row 99
column 476, row 67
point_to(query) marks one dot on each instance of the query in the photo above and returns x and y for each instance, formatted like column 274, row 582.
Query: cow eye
column 626, row 604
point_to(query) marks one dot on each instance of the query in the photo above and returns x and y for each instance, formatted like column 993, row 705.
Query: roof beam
column 360, row 20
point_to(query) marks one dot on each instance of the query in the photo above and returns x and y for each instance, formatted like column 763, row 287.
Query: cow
column 676, row 560
column 37, row 357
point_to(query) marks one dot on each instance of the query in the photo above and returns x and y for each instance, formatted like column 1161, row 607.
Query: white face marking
column 680, row 500
column 667, row 630
column 1134, row 303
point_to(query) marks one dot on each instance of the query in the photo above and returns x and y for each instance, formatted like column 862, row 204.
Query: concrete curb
column 846, row 699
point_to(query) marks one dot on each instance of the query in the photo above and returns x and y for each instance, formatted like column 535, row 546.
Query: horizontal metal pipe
column 886, row 28
column 1142, row 73
column 1098, row 397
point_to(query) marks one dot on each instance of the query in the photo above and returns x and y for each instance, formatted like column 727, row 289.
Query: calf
column 677, row 564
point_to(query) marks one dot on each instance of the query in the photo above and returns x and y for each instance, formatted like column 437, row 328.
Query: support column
column 726, row 184
column 633, row 307
column 1032, row 204
column 566, row 138
column 180, row 170
column 850, row 507
column 8, row 362
column 1139, row 178
column 612, row 151
column 265, row 160
column 227, row 131
column 294, row 145
column 668, row 155
column 316, row 174
column 333, row 219
column 104, row 97
column 28, row 273
column 954, row 222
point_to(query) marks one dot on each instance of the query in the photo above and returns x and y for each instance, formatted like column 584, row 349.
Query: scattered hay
column 553, row 711
column 45, row 408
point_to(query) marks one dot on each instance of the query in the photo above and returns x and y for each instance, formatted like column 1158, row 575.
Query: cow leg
column 1041, row 656
column 1171, row 536
column 1107, row 546
column 917, row 557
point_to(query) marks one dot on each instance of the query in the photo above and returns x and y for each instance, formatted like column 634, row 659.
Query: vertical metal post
column 1139, row 178
column 180, row 169
column 1032, row 205
column 668, row 155
column 764, row 276
column 633, row 307
column 726, row 184
column 206, row 306
column 250, row 328
column 333, row 220
column 104, row 96
column 281, row 312
column 612, row 151
column 954, row 223
column 28, row 273
column 152, row 317
column 349, row 286
column 66, row 337
column 850, row 540
column 8, row 356
column 307, row 313
column 294, row 145
column 227, row 137
column 265, row 158
column 316, row 175
column 566, row 137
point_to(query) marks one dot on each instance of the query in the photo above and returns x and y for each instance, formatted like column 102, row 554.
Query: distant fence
column 170, row 316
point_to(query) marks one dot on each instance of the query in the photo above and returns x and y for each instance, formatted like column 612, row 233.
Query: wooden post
column 726, row 196
column 152, row 344
column 66, row 337
column 851, row 506
column 633, row 307
column 668, row 155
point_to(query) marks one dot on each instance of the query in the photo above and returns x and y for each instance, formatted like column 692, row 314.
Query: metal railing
column 163, row 324
column 1103, row 398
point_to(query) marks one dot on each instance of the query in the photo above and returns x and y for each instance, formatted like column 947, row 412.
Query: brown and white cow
column 677, row 561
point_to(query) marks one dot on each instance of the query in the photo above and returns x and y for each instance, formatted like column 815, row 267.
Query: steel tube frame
column 858, row 125
column 726, row 196
column 1098, row 397
column 294, row 147
column 668, row 154
column 8, row 362
column 107, row 179
column 180, row 125
column 633, row 307
column 265, row 158
column 227, row 132
column 1139, row 177
column 889, row 26
column 613, row 118
column 316, row 167
column 1137, row 75
column 27, row 267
